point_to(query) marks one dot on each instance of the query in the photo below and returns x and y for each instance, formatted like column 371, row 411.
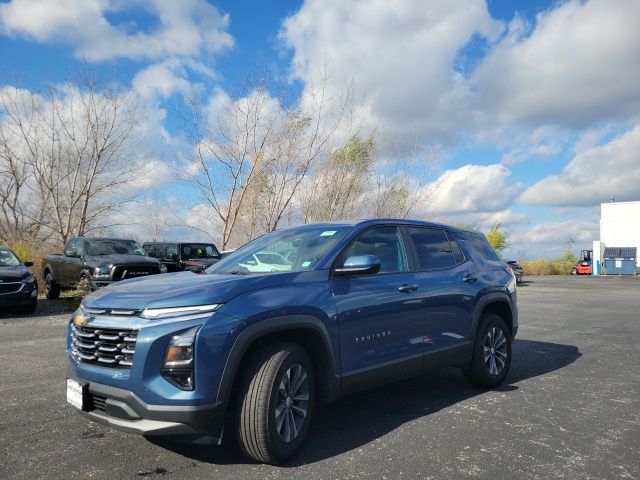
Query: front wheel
column 491, row 353
column 276, row 403
column 52, row 289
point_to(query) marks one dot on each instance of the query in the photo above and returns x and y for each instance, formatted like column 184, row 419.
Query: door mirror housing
column 71, row 253
column 359, row 265
column 27, row 264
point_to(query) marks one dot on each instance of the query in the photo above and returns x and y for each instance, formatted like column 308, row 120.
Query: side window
column 481, row 244
column 74, row 246
column 383, row 242
column 150, row 249
column 170, row 251
column 433, row 248
column 457, row 251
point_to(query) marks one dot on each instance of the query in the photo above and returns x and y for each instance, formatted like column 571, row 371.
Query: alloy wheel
column 495, row 350
column 292, row 403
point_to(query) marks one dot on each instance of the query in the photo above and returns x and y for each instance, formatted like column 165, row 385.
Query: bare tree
column 251, row 158
column 73, row 142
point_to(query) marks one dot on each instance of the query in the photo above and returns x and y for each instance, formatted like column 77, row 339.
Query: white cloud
column 577, row 67
column 161, row 80
column 186, row 28
column 400, row 56
column 594, row 175
column 473, row 189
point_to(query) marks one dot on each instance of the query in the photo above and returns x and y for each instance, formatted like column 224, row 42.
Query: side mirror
column 70, row 253
column 27, row 264
column 360, row 265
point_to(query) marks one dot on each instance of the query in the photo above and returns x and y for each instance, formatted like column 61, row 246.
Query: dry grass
column 559, row 266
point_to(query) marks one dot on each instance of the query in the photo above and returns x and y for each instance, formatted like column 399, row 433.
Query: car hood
column 13, row 274
column 120, row 259
column 179, row 290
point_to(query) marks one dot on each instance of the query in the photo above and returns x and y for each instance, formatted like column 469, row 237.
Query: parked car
column 364, row 303
column 265, row 261
column 18, row 286
column 517, row 270
column 183, row 256
column 97, row 261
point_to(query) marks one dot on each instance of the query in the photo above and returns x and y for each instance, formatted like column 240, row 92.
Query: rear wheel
column 52, row 289
column 276, row 403
column 491, row 352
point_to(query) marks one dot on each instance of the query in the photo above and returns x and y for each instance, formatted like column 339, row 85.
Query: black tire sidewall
column 478, row 369
column 279, row 449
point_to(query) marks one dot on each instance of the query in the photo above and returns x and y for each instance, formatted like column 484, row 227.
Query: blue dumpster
column 620, row 260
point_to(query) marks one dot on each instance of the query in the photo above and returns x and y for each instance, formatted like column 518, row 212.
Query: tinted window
column 480, row 243
column 171, row 250
column 433, row 248
column 457, row 251
column 199, row 250
column 383, row 242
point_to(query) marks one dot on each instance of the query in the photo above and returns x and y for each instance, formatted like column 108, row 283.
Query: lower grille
column 96, row 402
column 104, row 346
column 10, row 287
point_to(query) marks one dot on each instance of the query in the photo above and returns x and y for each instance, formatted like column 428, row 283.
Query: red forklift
column 584, row 265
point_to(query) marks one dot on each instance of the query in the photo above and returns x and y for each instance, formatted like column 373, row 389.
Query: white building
column 619, row 227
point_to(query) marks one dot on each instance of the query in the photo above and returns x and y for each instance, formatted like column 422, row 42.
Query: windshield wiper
column 236, row 272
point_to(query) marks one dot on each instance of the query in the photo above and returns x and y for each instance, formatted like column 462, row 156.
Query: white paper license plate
column 75, row 393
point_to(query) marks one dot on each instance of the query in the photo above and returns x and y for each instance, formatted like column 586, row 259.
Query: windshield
column 110, row 247
column 199, row 250
column 292, row 250
column 8, row 259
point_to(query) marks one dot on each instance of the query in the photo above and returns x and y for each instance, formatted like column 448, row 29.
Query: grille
column 96, row 402
column 104, row 346
column 11, row 287
column 121, row 273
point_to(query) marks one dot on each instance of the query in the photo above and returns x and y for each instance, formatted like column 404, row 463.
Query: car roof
column 106, row 238
column 377, row 221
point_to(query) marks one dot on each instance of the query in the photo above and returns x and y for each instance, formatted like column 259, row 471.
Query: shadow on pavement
column 358, row 419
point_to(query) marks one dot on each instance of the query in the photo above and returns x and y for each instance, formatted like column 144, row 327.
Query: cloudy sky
column 534, row 104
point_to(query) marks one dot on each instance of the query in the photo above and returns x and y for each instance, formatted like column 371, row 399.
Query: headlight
column 178, row 366
column 157, row 313
column 103, row 271
column 163, row 268
column 29, row 279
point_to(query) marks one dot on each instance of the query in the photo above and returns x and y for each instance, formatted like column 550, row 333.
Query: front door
column 380, row 318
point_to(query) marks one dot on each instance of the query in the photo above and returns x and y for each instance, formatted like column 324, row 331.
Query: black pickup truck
column 99, row 262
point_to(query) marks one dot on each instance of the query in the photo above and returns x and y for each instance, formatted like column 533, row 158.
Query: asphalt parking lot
column 570, row 408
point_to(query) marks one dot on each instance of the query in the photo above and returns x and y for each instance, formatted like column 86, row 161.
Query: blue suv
column 294, row 317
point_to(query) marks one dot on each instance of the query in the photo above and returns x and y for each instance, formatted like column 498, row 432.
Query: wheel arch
column 306, row 330
column 498, row 304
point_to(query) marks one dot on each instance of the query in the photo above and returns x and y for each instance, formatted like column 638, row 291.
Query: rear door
column 379, row 315
column 447, row 286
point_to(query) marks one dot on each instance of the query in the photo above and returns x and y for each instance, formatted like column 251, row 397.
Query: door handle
column 406, row 288
column 469, row 277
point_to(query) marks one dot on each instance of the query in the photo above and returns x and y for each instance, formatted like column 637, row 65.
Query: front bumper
column 123, row 410
column 26, row 295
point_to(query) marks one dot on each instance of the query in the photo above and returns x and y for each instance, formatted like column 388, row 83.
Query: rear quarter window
column 480, row 243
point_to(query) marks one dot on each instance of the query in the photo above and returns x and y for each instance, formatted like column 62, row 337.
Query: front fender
column 272, row 325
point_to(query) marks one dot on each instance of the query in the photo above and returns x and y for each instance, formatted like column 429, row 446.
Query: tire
column 52, row 289
column 491, row 353
column 264, row 434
